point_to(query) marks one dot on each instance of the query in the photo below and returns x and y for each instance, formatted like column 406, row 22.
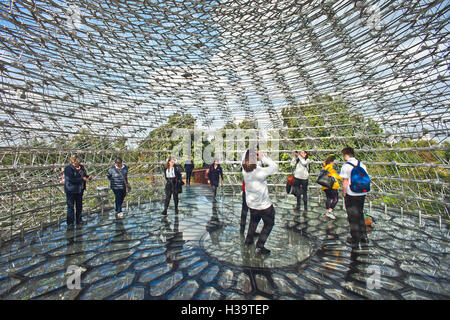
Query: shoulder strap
column 119, row 171
column 352, row 164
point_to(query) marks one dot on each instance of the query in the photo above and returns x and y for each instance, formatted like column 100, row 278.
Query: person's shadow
column 74, row 256
column 214, row 223
column 253, row 265
column 174, row 242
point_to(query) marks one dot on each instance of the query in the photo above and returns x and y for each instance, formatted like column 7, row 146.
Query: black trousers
column 268, row 217
column 119, row 197
column 301, row 186
column 74, row 200
column 332, row 198
column 171, row 190
column 355, row 216
column 244, row 211
column 214, row 187
column 188, row 177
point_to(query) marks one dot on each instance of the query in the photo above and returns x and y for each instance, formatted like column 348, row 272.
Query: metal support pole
column 401, row 211
column 420, row 217
column 370, row 207
column 385, row 209
column 139, row 202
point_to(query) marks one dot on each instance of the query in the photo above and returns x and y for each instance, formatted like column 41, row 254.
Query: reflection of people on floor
column 214, row 223
column 253, row 265
column 353, row 266
column 174, row 242
column 188, row 167
column 120, row 230
column 328, row 248
column 244, row 209
column 74, row 255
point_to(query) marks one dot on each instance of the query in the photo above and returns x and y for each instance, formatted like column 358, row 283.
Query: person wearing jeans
column 354, row 202
column 257, row 197
column 118, row 177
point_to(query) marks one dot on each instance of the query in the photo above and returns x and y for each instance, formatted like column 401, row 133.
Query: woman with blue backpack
column 356, row 184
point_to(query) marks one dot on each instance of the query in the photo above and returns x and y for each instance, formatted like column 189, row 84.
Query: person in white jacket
column 301, row 175
column 257, row 196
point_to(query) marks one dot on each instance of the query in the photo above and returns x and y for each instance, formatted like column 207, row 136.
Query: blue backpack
column 360, row 180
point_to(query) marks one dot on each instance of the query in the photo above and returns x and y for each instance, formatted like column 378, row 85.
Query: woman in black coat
column 174, row 183
column 214, row 174
column 75, row 178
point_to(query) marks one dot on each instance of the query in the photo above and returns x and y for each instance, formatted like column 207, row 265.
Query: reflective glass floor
column 200, row 254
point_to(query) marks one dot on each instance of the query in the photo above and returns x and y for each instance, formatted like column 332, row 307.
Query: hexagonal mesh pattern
column 102, row 78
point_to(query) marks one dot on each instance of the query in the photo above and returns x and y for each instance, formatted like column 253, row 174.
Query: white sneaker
column 120, row 215
column 330, row 215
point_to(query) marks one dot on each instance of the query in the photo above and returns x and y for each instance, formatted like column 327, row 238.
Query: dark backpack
column 359, row 179
column 325, row 180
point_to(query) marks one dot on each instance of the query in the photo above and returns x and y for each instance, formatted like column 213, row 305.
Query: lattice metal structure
column 97, row 77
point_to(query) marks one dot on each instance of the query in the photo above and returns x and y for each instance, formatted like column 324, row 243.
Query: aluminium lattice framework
column 104, row 74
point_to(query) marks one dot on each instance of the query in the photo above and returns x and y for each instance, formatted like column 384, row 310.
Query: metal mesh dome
column 98, row 77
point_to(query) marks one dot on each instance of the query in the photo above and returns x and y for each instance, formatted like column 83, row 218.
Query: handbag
column 291, row 180
column 325, row 180
column 127, row 185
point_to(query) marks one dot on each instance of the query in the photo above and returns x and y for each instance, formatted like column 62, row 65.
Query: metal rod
column 420, row 217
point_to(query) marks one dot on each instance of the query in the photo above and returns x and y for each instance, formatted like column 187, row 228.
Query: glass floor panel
column 200, row 254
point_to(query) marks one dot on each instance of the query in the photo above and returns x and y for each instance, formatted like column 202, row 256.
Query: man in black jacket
column 214, row 175
column 188, row 167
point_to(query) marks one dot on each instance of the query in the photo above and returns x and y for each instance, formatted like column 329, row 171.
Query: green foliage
column 327, row 117
column 161, row 138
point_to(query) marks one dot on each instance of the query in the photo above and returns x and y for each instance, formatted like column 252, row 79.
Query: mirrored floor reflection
column 199, row 254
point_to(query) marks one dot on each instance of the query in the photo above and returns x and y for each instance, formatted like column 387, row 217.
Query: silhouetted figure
column 188, row 167
column 214, row 174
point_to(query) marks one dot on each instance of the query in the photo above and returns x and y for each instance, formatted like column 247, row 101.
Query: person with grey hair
column 118, row 177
